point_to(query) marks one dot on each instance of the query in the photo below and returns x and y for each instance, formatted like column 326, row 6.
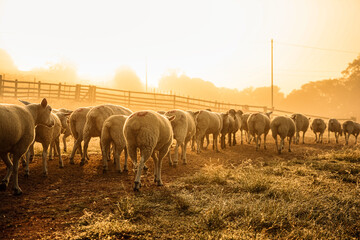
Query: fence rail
column 130, row 99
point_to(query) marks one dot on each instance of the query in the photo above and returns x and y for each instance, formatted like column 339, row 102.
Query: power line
column 317, row 48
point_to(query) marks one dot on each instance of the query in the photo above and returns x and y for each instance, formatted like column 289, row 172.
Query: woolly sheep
column 226, row 128
column 77, row 122
column 47, row 136
column 184, row 130
column 237, row 124
column 193, row 139
column 284, row 127
column 153, row 135
column 94, row 122
column 63, row 115
column 351, row 127
column 17, row 127
column 318, row 125
column 259, row 124
column 244, row 127
column 207, row 123
column 301, row 125
column 335, row 127
column 112, row 132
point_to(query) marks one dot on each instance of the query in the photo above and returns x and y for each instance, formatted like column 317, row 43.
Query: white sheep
column 259, row 124
column 207, row 123
column 77, row 122
column 226, row 129
column 17, row 127
column 193, row 139
column 47, row 136
column 244, row 127
column 153, row 135
column 63, row 115
column 284, row 127
column 318, row 125
column 351, row 128
column 301, row 125
column 112, row 132
column 237, row 115
column 94, row 122
column 334, row 126
column 184, row 130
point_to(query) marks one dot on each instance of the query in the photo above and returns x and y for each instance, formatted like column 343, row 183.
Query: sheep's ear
column 196, row 113
column 44, row 103
column 208, row 109
column 55, row 110
column 25, row 102
column 171, row 118
column 240, row 112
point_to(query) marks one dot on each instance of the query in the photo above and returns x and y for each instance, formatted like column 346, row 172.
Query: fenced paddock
column 14, row 89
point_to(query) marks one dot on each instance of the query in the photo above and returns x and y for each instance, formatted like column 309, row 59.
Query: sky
column 222, row 41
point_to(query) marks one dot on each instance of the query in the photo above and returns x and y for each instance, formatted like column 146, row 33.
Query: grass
column 317, row 197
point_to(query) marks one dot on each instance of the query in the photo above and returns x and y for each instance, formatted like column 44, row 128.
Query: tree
column 126, row 79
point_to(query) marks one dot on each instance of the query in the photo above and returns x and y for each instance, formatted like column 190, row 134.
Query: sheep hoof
column 61, row 166
column 3, row 186
column 159, row 183
column 185, row 163
column 126, row 170
column 119, row 171
column 82, row 163
column 26, row 175
column 289, row 150
column 45, row 174
column 137, row 186
column 104, row 171
column 31, row 158
column 279, row 151
column 50, row 159
column 17, row 192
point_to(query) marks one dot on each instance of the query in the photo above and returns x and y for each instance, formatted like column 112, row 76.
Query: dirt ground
column 53, row 203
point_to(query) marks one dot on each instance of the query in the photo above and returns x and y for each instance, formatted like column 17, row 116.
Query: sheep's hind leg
column 9, row 170
column 145, row 154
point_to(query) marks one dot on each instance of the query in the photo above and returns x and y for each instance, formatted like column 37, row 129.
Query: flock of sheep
column 148, row 131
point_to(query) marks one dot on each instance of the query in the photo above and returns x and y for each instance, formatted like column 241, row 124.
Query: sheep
column 193, row 139
column 226, row 126
column 284, row 127
column 112, row 132
column 334, row 126
column 350, row 127
column 77, row 122
column 207, row 123
column 237, row 124
column 153, row 135
column 258, row 124
column 94, row 122
column 244, row 127
column 318, row 125
column 184, row 129
column 301, row 125
column 63, row 115
column 47, row 137
column 17, row 127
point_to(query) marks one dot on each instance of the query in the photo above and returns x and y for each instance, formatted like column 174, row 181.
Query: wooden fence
column 133, row 100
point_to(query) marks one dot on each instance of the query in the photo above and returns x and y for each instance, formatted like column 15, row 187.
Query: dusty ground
column 52, row 203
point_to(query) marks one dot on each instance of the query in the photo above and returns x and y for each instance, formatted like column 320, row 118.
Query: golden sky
column 225, row 42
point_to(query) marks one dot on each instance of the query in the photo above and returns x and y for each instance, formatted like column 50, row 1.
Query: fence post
column 187, row 102
column 39, row 89
column 93, row 95
column 265, row 109
column 174, row 101
column 1, row 87
column 16, row 88
column 77, row 92
column 128, row 98
column 59, row 91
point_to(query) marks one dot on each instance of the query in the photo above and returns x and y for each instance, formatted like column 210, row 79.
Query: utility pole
column 272, row 75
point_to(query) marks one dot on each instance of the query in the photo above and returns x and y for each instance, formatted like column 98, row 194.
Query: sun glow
column 225, row 42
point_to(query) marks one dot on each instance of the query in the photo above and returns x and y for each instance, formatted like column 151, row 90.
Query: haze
column 224, row 42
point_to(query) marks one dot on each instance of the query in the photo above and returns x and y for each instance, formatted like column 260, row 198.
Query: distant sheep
column 226, row 129
column 244, row 127
column 259, row 124
column 193, row 139
column 47, row 137
column 207, row 123
column 63, row 115
column 318, row 125
column 153, row 135
column 351, row 128
column 17, row 127
column 77, row 122
column 335, row 127
column 184, row 130
column 301, row 125
column 112, row 132
column 284, row 127
column 237, row 115
column 94, row 122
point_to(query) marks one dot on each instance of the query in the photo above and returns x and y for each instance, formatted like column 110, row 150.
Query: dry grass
column 317, row 197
